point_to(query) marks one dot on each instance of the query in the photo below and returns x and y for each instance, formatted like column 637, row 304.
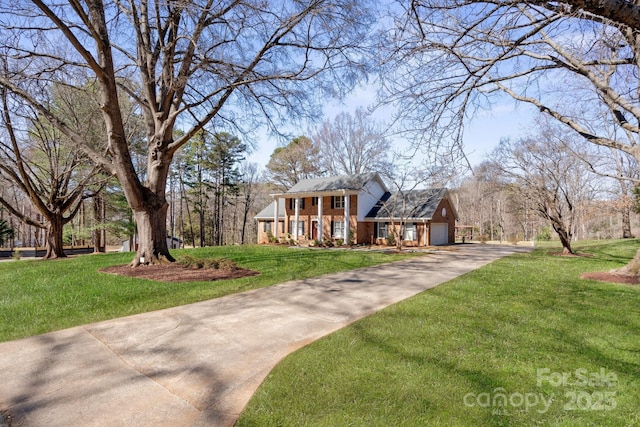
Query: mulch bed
column 611, row 277
column 174, row 272
column 601, row 276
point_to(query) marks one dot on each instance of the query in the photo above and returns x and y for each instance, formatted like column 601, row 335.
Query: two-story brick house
column 360, row 209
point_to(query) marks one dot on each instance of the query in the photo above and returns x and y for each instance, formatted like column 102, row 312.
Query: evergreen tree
column 6, row 232
column 211, row 173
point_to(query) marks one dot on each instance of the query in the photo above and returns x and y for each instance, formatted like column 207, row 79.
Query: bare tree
column 559, row 60
column 498, row 208
column 407, row 181
column 352, row 144
column 541, row 169
column 52, row 176
column 621, row 12
column 483, row 204
column 570, row 60
column 622, row 170
column 192, row 63
column 627, row 172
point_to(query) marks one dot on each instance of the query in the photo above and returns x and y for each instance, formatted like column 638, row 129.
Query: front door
column 314, row 230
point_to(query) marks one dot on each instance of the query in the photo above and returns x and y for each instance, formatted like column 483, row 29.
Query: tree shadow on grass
column 521, row 342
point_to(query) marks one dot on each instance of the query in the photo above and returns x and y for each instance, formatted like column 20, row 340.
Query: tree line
column 212, row 194
column 544, row 186
column 548, row 184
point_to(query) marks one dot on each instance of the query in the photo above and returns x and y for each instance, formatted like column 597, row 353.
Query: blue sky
column 505, row 119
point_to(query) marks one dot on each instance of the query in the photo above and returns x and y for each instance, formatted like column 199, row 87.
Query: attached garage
column 428, row 216
column 439, row 234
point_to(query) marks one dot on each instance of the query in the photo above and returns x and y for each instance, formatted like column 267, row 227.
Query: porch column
column 347, row 200
column 426, row 231
column 320, row 225
column 297, row 218
column 275, row 218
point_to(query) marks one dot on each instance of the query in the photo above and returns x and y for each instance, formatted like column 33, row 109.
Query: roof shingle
column 333, row 183
column 267, row 213
column 410, row 204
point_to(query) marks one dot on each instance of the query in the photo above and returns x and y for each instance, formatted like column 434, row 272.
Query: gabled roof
column 267, row 213
column 335, row 183
column 418, row 204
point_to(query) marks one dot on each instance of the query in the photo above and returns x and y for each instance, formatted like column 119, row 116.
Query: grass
column 42, row 296
column 446, row 357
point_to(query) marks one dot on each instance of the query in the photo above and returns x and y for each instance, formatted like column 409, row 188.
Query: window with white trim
column 268, row 226
column 337, row 229
column 292, row 224
column 410, row 231
column 292, row 204
column 338, row 202
column 383, row 230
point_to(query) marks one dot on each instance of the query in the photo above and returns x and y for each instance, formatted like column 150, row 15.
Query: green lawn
column 487, row 349
column 42, row 296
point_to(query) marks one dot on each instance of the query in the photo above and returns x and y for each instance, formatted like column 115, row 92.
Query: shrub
column 191, row 262
column 6, row 233
column 227, row 264
column 270, row 237
column 339, row 242
column 391, row 240
column 544, row 234
column 209, row 263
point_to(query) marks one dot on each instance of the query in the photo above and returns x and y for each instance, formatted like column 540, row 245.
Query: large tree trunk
column 398, row 235
column 98, row 244
column 565, row 237
column 202, row 225
column 55, row 245
column 626, row 223
column 152, row 236
column 245, row 216
column 632, row 268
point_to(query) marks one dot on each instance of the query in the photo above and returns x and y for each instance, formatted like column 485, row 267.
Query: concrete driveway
column 199, row 364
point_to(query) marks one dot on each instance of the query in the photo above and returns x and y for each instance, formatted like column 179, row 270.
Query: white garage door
column 439, row 234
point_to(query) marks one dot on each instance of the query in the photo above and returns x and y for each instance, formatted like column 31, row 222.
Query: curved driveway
column 199, row 364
